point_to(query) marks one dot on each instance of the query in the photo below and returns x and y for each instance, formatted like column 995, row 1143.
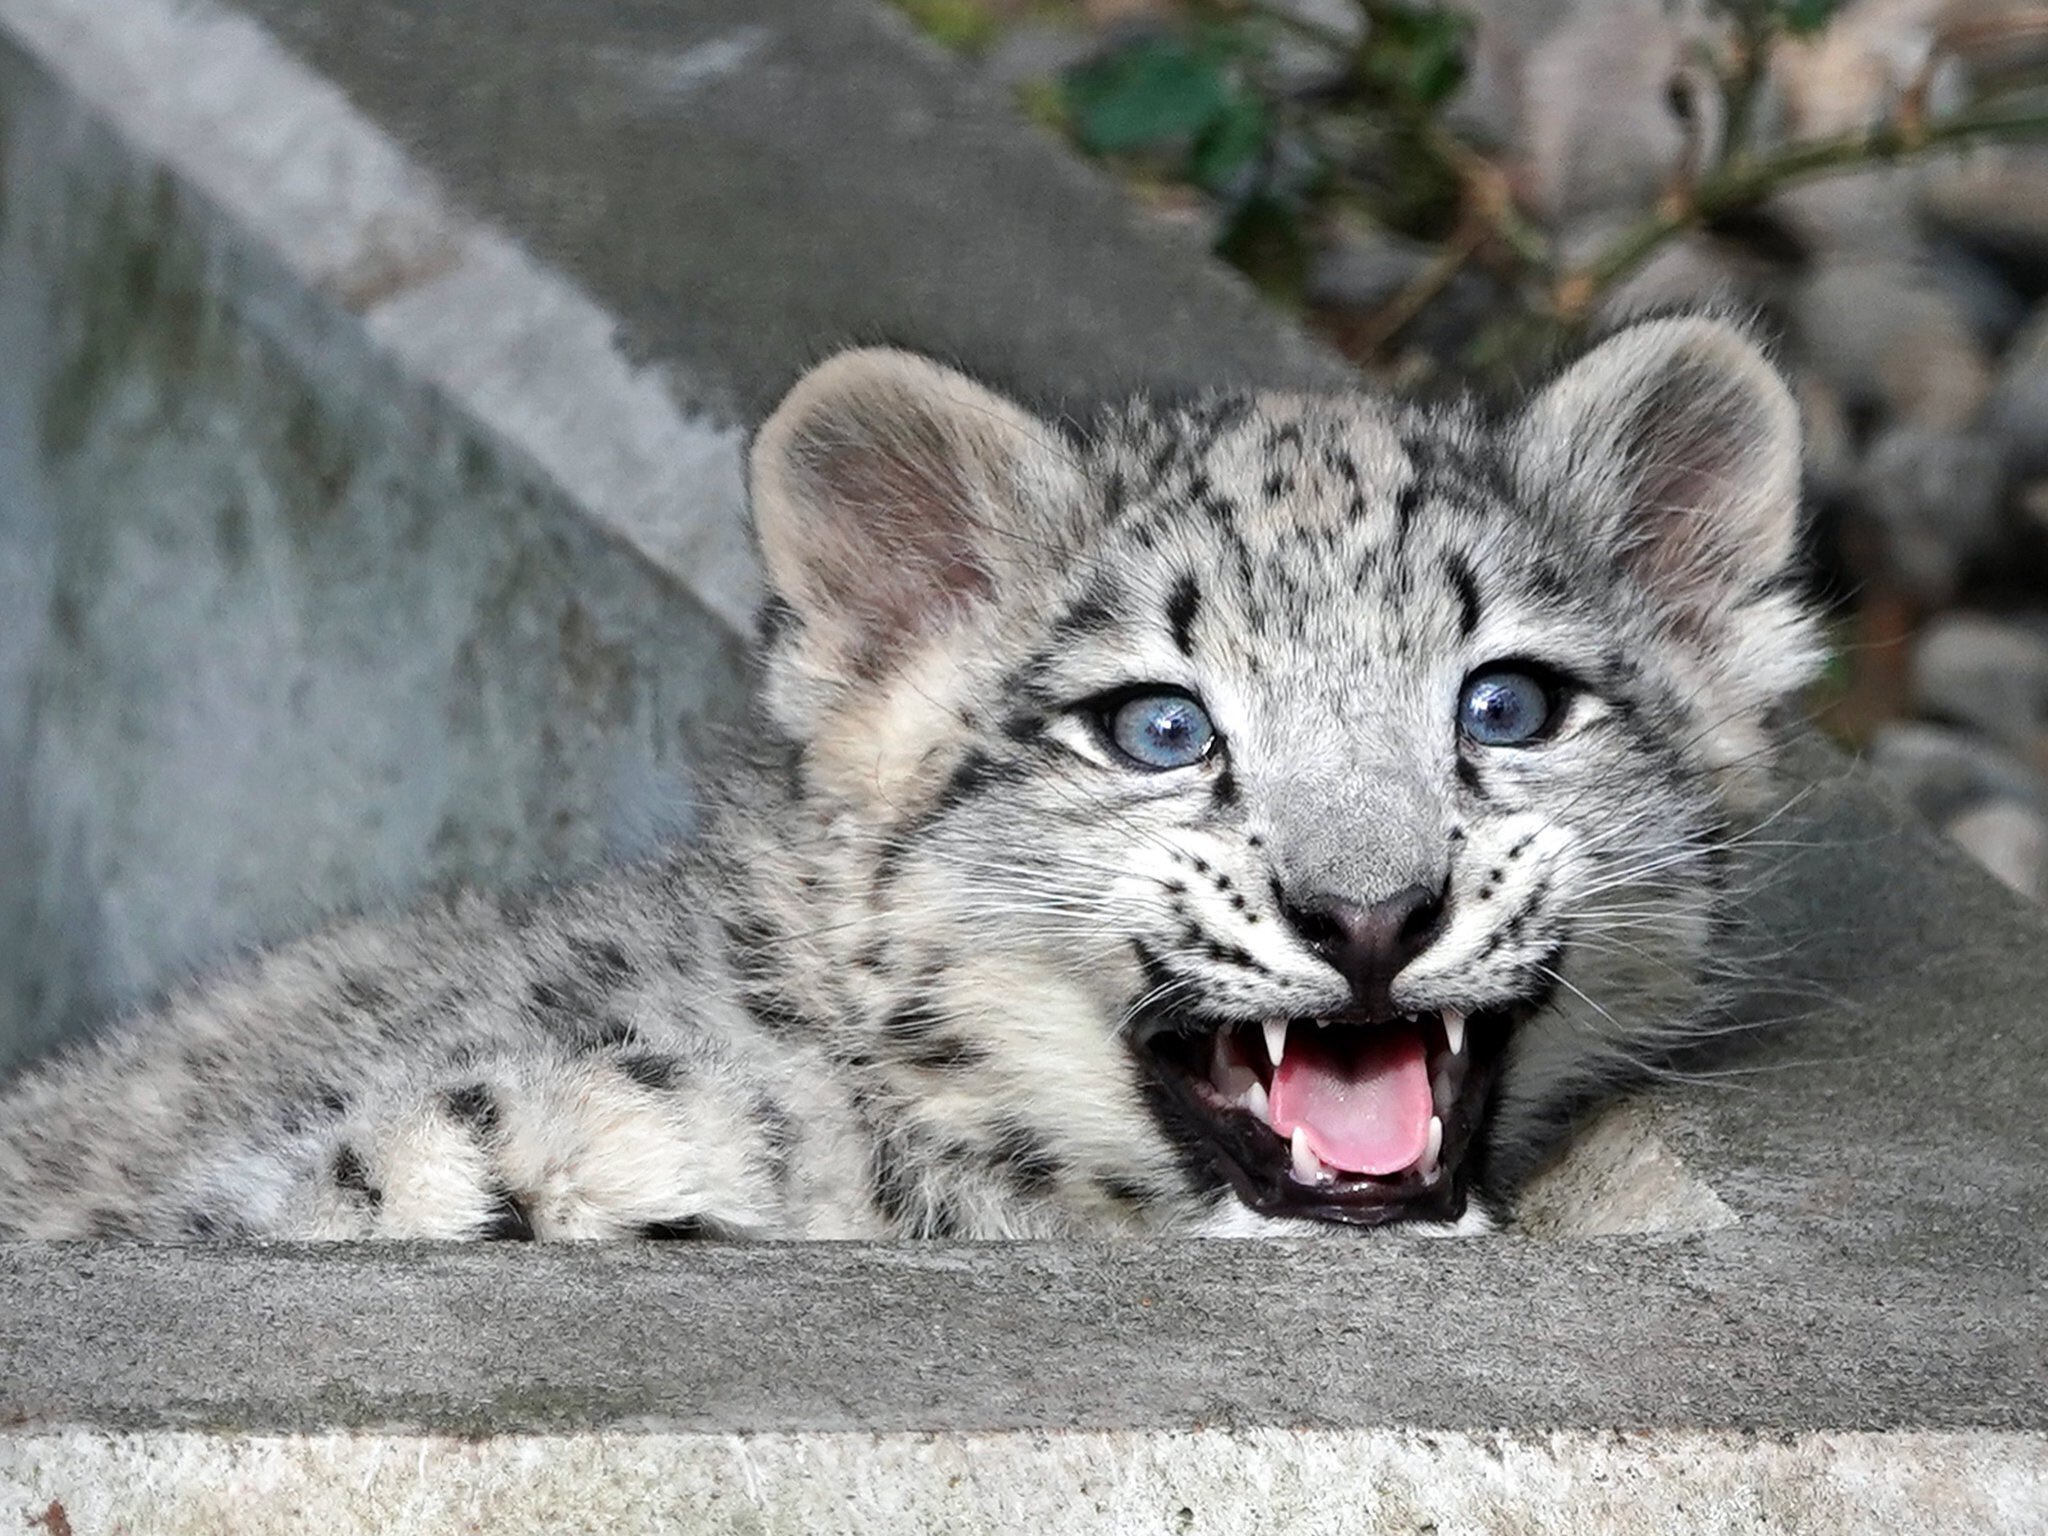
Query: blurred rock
column 1032, row 52
column 1944, row 773
column 1989, row 304
column 1987, row 673
column 1362, row 267
column 1997, row 202
column 1938, row 497
column 2018, row 409
column 1885, row 336
column 1613, row 111
column 1830, row 450
column 2008, row 839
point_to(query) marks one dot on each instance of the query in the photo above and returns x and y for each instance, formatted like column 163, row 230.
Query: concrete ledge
column 1726, row 1331
column 1284, row 1482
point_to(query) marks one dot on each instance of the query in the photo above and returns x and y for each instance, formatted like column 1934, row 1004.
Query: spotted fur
column 895, row 991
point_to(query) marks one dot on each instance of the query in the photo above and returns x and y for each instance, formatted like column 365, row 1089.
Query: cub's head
column 1283, row 795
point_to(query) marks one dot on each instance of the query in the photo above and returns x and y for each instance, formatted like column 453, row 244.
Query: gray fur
column 892, row 992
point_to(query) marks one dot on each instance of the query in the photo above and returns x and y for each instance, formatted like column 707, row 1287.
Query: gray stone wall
column 281, row 632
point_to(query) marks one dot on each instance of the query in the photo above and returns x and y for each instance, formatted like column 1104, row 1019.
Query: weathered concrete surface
column 282, row 629
column 1833, row 1316
column 1274, row 1482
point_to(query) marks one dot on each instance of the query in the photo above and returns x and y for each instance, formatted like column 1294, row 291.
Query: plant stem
column 1745, row 184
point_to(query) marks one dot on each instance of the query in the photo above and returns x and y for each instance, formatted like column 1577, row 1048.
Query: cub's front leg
column 611, row 1144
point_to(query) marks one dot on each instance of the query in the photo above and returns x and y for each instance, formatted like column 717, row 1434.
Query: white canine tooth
column 1430, row 1164
column 1307, row 1166
column 1276, row 1040
column 1454, row 1029
column 1254, row 1099
column 1228, row 1071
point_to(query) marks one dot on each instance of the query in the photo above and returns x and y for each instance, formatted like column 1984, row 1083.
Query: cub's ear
column 1680, row 441
column 892, row 496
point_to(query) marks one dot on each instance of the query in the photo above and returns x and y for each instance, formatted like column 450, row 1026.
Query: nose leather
column 1369, row 945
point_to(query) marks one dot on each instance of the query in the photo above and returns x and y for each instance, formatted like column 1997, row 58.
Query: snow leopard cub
column 1224, row 819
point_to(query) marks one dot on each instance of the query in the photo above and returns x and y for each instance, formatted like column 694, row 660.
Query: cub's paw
column 612, row 1144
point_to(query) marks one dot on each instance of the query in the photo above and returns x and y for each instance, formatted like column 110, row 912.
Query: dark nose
column 1370, row 945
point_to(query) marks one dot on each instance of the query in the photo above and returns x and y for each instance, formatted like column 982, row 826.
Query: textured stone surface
column 284, row 629
column 1273, row 1482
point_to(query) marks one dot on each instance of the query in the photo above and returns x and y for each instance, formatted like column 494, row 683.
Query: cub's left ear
column 894, row 497
column 1681, row 441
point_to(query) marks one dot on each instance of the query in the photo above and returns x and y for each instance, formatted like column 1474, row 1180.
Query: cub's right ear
column 892, row 496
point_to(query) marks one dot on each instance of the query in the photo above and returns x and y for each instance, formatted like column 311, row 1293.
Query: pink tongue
column 1367, row 1113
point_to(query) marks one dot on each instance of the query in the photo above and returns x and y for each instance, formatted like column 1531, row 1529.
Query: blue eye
column 1161, row 730
column 1505, row 707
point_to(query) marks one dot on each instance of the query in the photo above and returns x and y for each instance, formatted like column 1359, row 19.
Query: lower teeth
column 1307, row 1166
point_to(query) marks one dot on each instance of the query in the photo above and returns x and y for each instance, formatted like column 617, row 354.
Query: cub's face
column 1293, row 796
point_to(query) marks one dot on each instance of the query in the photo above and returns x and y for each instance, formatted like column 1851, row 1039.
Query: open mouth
column 1336, row 1118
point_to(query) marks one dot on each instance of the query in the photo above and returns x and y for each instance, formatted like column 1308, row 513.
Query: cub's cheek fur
column 954, row 961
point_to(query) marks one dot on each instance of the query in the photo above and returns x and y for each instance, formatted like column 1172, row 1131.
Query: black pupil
column 1172, row 729
column 1499, row 704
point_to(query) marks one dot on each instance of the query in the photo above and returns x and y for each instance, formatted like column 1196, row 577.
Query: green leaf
column 1232, row 140
column 1803, row 17
column 1152, row 92
column 1417, row 51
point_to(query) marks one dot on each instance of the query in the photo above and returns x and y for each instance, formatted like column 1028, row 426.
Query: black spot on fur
column 1225, row 792
column 947, row 1053
column 1468, row 776
column 649, row 1070
column 748, row 937
column 774, row 1015
column 556, row 1004
column 474, row 1106
column 778, row 621
column 913, row 1022
column 509, row 1221
column 348, row 1173
column 610, row 1034
column 1467, row 589
column 330, row 1099
column 1116, row 495
column 111, row 1225
column 1406, row 503
column 362, row 996
column 1026, row 1163
column 604, row 962
column 895, row 1190
column 976, row 772
column 1095, row 612
column 1182, row 604
column 211, row 1227
column 1125, row 1191
column 687, row 1229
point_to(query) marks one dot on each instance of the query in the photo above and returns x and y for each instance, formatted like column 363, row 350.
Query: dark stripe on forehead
column 1182, row 604
column 1467, row 588
column 1094, row 612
